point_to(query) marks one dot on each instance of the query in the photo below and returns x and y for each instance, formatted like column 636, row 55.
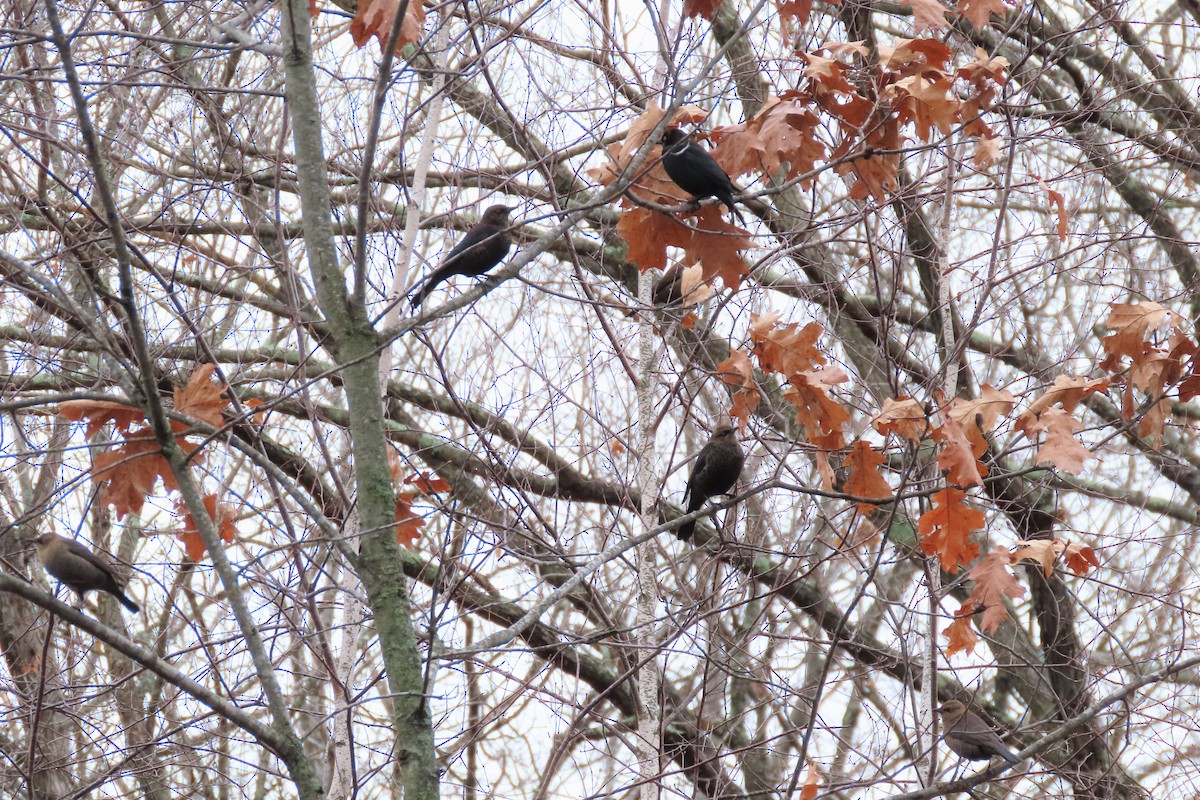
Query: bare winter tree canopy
column 388, row 552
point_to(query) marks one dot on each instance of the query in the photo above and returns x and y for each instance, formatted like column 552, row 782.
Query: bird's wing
column 76, row 549
column 473, row 237
column 981, row 738
column 707, row 166
column 701, row 462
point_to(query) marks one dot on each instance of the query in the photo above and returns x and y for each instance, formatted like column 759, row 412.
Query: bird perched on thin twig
column 695, row 171
column 717, row 468
column 79, row 568
column 481, row 249
column 969, row 736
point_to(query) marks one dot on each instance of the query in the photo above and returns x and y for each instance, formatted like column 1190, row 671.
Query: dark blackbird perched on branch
column 695, row 171
column 79, row 568
column 668, row 289
column 481, row 249
column 969, row 736
column 715, row 472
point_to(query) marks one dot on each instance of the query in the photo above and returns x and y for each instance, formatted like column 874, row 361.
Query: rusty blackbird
column 716, row 470
column 969, row 736
column 668, row 289
column 695, row 171
column 79, row 568
column 481, row 249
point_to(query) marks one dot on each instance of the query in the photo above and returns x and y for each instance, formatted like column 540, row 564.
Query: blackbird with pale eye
column 79, row 568
column 717, row 468
column 484, row 246
column 969, row 736
column 695, row 171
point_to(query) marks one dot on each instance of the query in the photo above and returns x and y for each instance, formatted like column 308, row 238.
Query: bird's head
column 951, row 710
column 497, row 215
column 724, row 429
column 673, row 136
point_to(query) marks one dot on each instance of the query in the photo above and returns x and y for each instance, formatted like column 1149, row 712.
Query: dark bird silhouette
column 481, row 249
column 695, row 171
column 716, row 470
column 668, row 289
column 79, row 568
column 969, row 736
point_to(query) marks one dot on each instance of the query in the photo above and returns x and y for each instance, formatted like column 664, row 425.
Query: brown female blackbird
column 715, row 472
column 79, row 568
column 969, row 736
column 481, row 249
column 695, row 171
column 668, row 289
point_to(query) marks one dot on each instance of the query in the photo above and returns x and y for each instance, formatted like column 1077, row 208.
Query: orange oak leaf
column 904, row 417
column 694, row 289
column 1068, row 392
column 649, row 234
column 785, row 130
column 993, row 583
column 1130, row 326
column 100, row 412
column 737, row 372
column 830, row 74
column 377, row 17
column 984, row 412
column 1154, row 421
column 822, row 416
column 427, row 484
column 1080, row 558
column 825, row 470
column 132, row 470
column 1059, row 202
column 928, row 15
column 946, row 529
column 1043, row 551
column 812, row 783
column 785, row 349
column 408, row 524
column 707, row 239
column 202, row 398
column 717, row 244
column 926, row 103
column 980, row 12
column 223, row 515
column 960, row 633
column 865, row 480
column 984, row 69
column 987, row 151
column 957, row 457
column 793, row 10
column 1061, row 449
column 700, row 8
column 915, row 56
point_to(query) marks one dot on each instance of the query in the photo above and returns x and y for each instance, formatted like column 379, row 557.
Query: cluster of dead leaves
column 409, row 487
column 134, row 466
column 1145, row 335
column 994, row 583
column 705, row 238
column 849, row 114
column 376, row 18
column 928, row 15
